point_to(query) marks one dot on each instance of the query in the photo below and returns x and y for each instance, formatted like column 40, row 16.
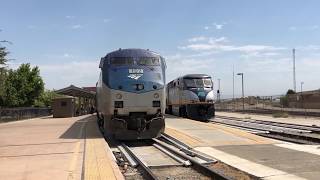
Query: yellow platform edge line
column 75, row 155
column 99, row 162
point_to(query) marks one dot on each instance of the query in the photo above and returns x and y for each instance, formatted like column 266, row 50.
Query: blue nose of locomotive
column 136, row 79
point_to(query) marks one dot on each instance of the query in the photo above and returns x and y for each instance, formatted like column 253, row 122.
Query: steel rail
column 302, row 138
column 248, row 129
column 132, row 162
column 258, row 126
column 281, row 124
column 186, row 149
column 173, row 156
column 197, row 166
column 150, row 175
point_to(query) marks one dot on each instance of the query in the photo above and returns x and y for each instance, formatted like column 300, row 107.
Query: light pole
column 219, row 91
column 241, row 74
column 294, row 69
column 301, row 84
column 233, row 102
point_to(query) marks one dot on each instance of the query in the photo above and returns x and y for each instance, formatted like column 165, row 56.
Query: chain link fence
column 262, row 105
column 13, row 114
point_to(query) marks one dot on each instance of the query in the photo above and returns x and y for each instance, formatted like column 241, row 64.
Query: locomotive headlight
column 140, row 86
column 156, row 95
column 118, row 96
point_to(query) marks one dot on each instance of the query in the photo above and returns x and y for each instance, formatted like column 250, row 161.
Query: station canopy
column 76, row 92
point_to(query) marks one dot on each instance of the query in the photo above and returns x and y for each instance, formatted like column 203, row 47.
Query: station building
column 305, row 99
column 75, row 101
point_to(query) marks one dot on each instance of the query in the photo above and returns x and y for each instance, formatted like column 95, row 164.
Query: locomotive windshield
column 142, row 61
column 198, row 83
column 120, row 61
column 149, row 61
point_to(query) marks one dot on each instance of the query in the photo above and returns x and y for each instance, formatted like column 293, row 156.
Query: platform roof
column 76, row 92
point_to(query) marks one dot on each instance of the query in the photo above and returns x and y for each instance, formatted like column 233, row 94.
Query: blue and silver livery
column 131, row 94
column 191, row 96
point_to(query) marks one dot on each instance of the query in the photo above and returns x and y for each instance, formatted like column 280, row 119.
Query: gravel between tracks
column 232, row 172
column 178, row 173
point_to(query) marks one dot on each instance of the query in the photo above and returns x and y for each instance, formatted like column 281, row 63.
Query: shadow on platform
column 90, row 129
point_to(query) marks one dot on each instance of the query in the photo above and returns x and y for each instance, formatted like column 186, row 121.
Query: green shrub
column 280, row 115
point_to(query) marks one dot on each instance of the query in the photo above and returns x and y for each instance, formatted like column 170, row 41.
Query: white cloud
column 221, row 44
column 67, row 55
column 308, row 48
column 304, row 28
column 264, row 65
column 77, row 26
column 218, row 26
column 197, row 39
column 179, row 65
column 79, row 73
column 70, row 17
column 218, row 40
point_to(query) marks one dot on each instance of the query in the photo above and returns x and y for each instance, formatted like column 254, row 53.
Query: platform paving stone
column 55, row 148
column 259, row 156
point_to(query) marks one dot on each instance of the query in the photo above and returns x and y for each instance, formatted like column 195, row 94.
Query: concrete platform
column 261, row 157
column 48, row 148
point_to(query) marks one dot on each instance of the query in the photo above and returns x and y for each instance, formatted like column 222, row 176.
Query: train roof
column 191, row 76
column 196, row 76
column 132, row 53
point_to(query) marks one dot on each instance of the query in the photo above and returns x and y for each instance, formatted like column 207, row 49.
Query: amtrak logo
column 135, row 73
column 135, row 76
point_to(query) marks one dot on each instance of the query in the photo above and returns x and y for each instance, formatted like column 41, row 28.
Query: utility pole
column 219, row 91
column 302, row 105
column 233, row 84
column 241, row 74
column 294, row 69
column 301, row 84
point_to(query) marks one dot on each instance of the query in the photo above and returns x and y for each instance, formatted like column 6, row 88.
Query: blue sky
column 67, row 38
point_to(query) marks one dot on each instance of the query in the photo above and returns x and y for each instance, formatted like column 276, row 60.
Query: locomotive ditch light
column 118, row 96
column 118, row 104
column 155, row 103
column 156, row 95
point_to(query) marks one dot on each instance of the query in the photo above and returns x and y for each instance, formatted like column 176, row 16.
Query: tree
column 3, row 65
column 290, row 91
column 45, row 98
column 23, row 86
column 284, row 100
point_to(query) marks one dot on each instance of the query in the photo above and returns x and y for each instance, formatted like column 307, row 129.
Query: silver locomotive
column 131, row 94
column 191, row 96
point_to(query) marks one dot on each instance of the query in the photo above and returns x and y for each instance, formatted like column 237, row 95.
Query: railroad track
column 301, row 134
column 166, row 158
